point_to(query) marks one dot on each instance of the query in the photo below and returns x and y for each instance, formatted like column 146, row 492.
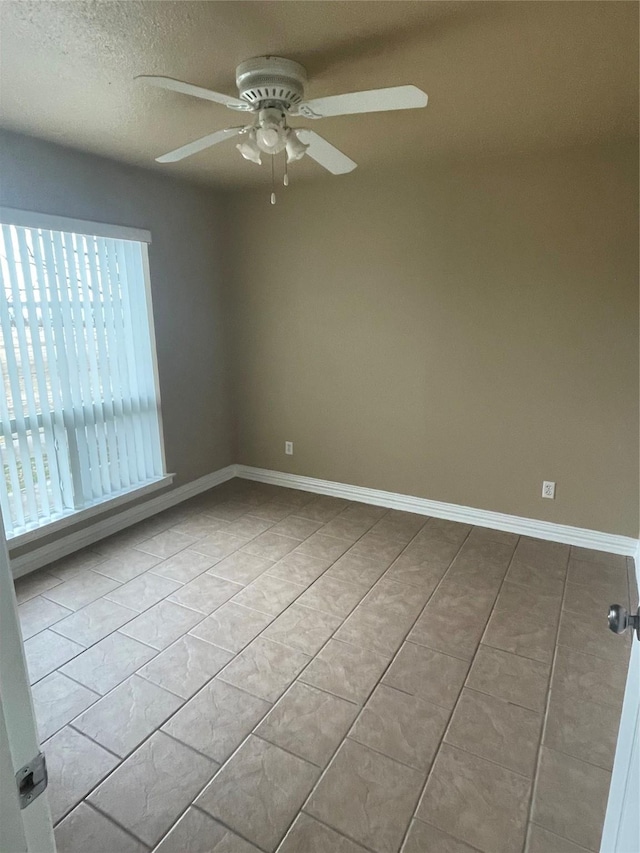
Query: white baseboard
column 453, row 512
column 65, row 545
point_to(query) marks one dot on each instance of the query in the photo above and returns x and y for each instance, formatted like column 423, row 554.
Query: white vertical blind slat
column 129, row 324
column 46, row 281
column 107, row 392
column 28, row 486
column 85, row 400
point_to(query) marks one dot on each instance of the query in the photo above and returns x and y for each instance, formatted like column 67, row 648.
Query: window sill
column 74, row 517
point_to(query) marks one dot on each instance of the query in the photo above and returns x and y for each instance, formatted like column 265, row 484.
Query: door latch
column 620, row 620
column 31, row 780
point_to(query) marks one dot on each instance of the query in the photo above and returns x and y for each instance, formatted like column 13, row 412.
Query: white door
column 621, row 833
column 28, row 829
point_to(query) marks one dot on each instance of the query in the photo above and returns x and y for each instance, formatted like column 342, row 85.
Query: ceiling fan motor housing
column 271, row 81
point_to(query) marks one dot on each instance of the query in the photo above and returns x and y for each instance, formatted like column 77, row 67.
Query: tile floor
column 263, row 669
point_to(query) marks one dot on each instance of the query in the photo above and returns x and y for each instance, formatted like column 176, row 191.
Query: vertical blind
column 79, row 408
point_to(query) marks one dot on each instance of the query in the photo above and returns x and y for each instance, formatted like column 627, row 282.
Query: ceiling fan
column 272, row 89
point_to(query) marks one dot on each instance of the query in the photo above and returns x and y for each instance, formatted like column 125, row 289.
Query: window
column 79, row 408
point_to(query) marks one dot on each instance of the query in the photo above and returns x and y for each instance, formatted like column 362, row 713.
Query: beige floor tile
column 308, row 722
column 57, row 700
column 476, row 801
column 227, row 510
column 94, row 622
column 423, row 838
column 417, row 571
column 333, row 596
column 345, row 670
column 374, row 545
column 591, row 600
column 374, row 628
column 258, row 792
column 583, row 729
column 399, row 525
column 166, row 544
column 539, row 552
column 549, row 580
column 471, row 608
column 38, row 613
column 198, row 525
column 442, row 528
column 571, row 798
column 149, row 790
column 483, row 562
column 483, row 534
column 540, row 840
column 322, row 509
column 590, row 635
column 516, row 679
column 241, row 567
column 348, row 528
column 273, row 511
column 403, row 727
column 432, row 550
column 431, row 675
column 127, row 565
column 48, row 651
column 499, row 731
column 616, row 561
column 217, row 719
column 367, row 796
column 143, row 592
column 109, row 662
column 588, row 677
column 73, row 564
column 81, row 590
column 219, row 545
column 397, row 599
column 163, row 623
column 231, row 626
column 185, row 666
column 85, row 830
column 271, row 546
column 302, row 628
column 299, row 568
column 75, row 765
column 206, row 593
column 196, row 832
column 524, row 621
column 265, row 669
column 122, row 719
column 611, row 580
column 268, row 594
column 308, row 836
column 296, row 528
column 33, row 584
column 324, row 547
column 247, row 527
column 184, row 566
column 356, row 569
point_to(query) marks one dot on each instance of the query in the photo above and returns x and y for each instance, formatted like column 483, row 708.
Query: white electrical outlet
column 288, row 448
column 549, row 490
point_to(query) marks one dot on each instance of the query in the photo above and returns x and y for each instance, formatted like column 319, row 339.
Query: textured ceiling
column 501, row 76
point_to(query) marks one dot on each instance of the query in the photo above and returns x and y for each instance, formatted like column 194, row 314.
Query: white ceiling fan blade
column 199, row 145
column 326, row 154
column 373, row 101
column 195, row 91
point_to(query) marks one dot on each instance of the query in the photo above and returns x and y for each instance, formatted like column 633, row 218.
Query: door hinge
column 31, row 780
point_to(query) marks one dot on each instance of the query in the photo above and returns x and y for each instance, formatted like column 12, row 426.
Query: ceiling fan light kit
column 273, row 89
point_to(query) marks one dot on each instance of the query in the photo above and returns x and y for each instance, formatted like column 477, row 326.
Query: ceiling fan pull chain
column 285, row 179
column 273, row 180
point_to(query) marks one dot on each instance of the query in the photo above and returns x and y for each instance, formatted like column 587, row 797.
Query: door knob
column 620, row 619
